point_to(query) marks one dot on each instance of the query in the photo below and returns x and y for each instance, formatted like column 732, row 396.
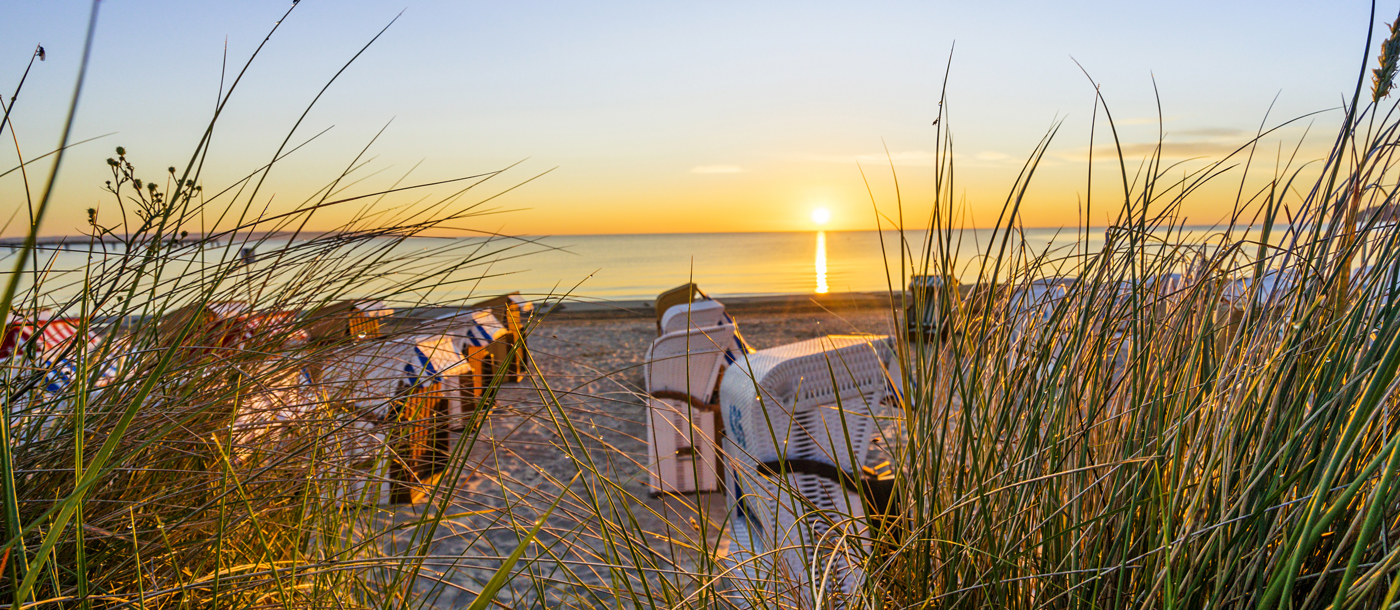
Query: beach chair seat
column 681, row 371
column 747, row 567
column 798, row 420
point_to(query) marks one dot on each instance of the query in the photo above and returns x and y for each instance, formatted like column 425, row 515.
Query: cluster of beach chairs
column 389, row 389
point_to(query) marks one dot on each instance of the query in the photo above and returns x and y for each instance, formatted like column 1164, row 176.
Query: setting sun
column 821, row 216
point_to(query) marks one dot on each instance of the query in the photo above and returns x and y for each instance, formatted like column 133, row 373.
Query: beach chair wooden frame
column 484, row 344
column 803, row 414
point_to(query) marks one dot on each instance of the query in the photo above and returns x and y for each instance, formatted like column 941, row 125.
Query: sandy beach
column 589, row 361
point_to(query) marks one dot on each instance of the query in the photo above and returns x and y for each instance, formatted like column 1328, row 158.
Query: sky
column 625, row 117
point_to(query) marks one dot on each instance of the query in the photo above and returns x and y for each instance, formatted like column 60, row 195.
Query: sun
column 821, row 216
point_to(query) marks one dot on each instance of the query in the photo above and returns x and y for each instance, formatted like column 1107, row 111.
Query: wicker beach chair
column 924, row 315
column 407, row 386
column 686, row 306
column 486, row 347
column 680, row 295
column 513, row 313
column 681, row 372
column 344, row 321
column 802, row 415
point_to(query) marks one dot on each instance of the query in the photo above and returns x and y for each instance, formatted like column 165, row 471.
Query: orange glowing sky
column 726, row 116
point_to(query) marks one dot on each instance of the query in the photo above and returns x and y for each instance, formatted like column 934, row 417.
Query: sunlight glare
column 821, row 216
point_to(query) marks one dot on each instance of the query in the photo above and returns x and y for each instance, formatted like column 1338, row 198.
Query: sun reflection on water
column 821, row 262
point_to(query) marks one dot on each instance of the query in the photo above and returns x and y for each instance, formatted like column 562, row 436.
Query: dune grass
column 1180, row 424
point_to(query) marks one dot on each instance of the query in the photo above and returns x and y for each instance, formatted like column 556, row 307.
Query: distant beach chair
column 58, row 349
column 681, row 371
column 513, row 312
column 207, row 327
column 924, row 316
column 343, row 321
column 485, row 345
column 803, row 414
column 269, row 330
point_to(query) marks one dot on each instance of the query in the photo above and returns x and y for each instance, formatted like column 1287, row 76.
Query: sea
column 639, row 266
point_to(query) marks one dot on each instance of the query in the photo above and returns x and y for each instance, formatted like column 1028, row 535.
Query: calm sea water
column 637, row 267
column 626, row 267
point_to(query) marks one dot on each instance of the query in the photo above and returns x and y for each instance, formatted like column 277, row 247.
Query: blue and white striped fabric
column 481, row 330
column 60, row 375
column 424, row 372
column 431, row 358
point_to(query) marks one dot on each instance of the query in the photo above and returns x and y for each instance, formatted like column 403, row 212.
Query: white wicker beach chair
column 681, row 372
column 802, row 414
column 698, row 314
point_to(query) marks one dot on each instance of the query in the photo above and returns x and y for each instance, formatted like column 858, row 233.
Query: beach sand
column 589, row 358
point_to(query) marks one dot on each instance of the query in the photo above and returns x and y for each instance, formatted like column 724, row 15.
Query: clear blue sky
column 665, row 117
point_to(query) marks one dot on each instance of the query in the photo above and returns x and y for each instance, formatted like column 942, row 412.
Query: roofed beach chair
column 681, row 372
column 345, row 321
column 204, row 328
column 924, row 315
column 59, row 349
column 798, row 420
column 513, row 312
column 406, row 385
column 485, row 345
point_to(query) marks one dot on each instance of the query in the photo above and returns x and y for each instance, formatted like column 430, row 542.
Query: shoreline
column 754, row 304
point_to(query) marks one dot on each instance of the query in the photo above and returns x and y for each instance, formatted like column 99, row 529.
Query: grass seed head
column 1384, row 76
